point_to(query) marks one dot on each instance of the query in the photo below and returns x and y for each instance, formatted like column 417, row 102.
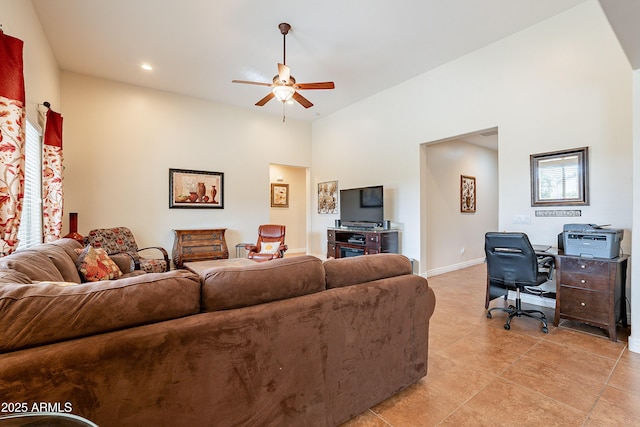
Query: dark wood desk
column 587, row 290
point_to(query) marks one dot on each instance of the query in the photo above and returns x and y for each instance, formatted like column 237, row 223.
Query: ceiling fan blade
column 252, row 83
column 265, row 99
column 318, row 85
column 284, row 73
column 302, row 100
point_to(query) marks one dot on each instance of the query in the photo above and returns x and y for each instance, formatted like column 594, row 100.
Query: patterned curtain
column 12, row 139
column 52, row 177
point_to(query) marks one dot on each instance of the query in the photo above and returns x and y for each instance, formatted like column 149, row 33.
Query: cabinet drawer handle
column 583, row 266
column 583, row 304
column 583, row 281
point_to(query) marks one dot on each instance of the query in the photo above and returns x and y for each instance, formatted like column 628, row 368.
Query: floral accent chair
column 119, row 240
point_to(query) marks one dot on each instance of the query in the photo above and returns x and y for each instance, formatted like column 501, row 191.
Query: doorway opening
column 295, row 215
column 453, row 235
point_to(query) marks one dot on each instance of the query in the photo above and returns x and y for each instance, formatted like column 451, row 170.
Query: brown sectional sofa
column 290, row 342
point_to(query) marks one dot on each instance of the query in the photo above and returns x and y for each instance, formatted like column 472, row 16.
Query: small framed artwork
column 328, row 197
column 279, row 195
column 196, row 189
column 467, row 194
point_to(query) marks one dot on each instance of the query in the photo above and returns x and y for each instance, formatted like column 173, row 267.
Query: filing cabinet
column 591, row 291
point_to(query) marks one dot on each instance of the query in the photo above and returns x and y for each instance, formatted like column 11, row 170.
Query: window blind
column 30, row 231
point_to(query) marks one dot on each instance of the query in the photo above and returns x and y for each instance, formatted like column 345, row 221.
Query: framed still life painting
column 196, row 189
column 279, row 195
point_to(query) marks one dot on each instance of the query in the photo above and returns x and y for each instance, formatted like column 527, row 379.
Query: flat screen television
column 362, row 207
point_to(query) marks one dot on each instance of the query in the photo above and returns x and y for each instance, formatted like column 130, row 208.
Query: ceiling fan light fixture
column 283, row 93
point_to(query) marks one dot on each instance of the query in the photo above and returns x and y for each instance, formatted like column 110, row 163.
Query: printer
column 590, row 240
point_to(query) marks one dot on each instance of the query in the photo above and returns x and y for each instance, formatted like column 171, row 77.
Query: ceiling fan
column 284, row 86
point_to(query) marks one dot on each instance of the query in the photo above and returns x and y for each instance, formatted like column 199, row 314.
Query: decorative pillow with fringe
column 94, row 264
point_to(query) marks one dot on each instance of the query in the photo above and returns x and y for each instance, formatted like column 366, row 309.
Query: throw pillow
column 269, row 247
column 94, row 264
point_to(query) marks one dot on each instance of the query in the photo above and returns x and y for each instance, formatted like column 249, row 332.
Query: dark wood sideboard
column 343, row 243
column 592, row 291
column 199, row 245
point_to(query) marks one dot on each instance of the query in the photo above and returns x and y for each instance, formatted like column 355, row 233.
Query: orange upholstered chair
column 270, row 243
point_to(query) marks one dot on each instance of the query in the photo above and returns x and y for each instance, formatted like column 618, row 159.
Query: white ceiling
column 198, row 46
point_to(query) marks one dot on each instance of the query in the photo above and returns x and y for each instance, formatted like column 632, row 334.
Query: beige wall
column 121, row 141
column 560, row 84
column 455, row 239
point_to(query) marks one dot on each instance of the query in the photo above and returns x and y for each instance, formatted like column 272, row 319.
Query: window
column 30, row 231
column 560, row 178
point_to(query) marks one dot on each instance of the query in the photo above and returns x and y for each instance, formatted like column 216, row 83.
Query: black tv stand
column 348, row 242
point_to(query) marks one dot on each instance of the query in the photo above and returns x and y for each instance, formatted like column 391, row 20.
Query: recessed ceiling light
column 146, row 67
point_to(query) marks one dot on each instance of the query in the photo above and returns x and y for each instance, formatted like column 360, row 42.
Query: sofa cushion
column 33, row 263
column 13, row 276
column 234, row 287
column 36, row 314
column 94, row 264
column 351, row 271
column 69, row 246
column 62, row 260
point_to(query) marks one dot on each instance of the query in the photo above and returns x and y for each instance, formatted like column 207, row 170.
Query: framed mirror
column 560, row 178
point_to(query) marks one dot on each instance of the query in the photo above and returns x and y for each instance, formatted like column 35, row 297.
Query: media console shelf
column 344, row 242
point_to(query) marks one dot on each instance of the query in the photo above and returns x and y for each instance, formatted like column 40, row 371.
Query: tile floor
column 483, row 375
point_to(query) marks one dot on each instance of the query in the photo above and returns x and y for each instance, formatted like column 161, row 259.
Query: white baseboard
column 634, row 344
column 453, row 267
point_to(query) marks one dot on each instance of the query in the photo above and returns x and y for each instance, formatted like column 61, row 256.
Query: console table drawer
column 585, row 305
column 199, row 245
column 373, row 238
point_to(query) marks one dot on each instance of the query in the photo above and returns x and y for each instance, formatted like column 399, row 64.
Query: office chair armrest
column 547, row 262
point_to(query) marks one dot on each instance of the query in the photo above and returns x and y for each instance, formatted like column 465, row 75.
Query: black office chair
column 512, row 264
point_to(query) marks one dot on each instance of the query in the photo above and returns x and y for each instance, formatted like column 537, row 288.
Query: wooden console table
column 343, row 243
column 592, row 291
column 199, row 245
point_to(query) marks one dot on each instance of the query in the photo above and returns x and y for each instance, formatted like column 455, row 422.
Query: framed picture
column 196, row 189
column 467, row 194
column 328, row 197
column 279, row 195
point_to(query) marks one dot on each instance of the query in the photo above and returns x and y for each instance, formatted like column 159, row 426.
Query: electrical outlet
column 461, row 251
column 521, row 219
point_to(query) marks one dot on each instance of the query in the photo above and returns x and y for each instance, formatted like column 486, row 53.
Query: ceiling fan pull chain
column 283, row 117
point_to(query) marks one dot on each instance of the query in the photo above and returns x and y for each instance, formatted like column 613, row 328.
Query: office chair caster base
column 507, row 326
